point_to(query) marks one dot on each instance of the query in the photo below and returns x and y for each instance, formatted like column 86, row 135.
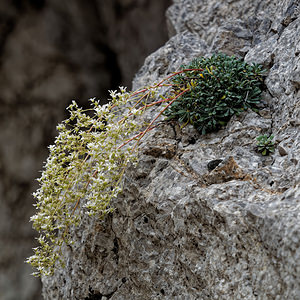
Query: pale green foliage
column 86, row 157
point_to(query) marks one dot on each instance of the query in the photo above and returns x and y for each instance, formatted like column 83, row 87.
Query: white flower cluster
column 84, row 169
column 86, row 164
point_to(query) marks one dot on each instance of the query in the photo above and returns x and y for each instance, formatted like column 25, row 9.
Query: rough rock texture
column 51, row 53
column 206, row 217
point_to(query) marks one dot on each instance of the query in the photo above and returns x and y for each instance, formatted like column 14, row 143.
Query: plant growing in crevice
column 226, row 87
column 94, row 146
column 86, row 164
column 265, row 144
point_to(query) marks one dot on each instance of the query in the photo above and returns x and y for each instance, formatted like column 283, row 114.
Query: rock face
column 51, row 53
column 205, row 217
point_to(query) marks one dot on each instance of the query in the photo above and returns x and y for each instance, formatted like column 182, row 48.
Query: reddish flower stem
column 153, row 87
column 150, row 127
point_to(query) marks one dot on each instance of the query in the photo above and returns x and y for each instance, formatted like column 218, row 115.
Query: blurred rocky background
column 51, row 53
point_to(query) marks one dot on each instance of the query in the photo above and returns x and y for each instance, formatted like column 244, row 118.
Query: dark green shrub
column 226, row 86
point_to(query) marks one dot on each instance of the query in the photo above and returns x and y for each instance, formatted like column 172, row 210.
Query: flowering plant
column 89, row 157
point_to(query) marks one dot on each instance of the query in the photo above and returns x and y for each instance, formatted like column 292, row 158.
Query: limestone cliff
column 182, row 229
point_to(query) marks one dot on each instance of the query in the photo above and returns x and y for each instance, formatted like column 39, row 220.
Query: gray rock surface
column 205, row 217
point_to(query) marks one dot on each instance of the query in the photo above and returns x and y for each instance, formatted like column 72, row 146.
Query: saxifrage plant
column 265, row 144
column 93, row 147
column 227, row 86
